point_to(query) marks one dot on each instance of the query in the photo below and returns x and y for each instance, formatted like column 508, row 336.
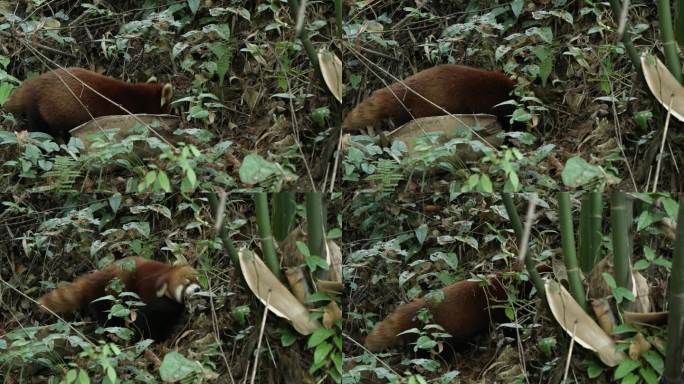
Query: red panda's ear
column 161, row 291
column 166, row 94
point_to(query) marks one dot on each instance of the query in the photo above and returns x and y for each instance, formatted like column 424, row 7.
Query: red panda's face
column 181, row 283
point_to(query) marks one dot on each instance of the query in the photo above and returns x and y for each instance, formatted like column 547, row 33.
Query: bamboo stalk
column 264, row 224
column 596, row 220
column 627, row 37
column 338, row 17
column 314, row 223
column 284, row 208
column 530, row 265
column 619, row 221
column 675, row 319
column 679, row 22
column 585, row 238
column 224, row 233
column 667, row 38
column 569, row 252
column 303, row 35
column 513, row 215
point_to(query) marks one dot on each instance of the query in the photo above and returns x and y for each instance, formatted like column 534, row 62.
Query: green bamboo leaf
column 625, row 368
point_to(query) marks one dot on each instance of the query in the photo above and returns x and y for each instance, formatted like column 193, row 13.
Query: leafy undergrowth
column 589, row 120
column 252, row 111
column 52, row 238
column 411, row 246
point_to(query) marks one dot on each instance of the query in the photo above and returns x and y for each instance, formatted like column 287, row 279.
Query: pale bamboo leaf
column 281, row 302
column 580, row 325
column 331, row 69
column 663, row 85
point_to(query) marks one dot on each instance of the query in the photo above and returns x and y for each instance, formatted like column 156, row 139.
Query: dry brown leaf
column 638, row 346
column 451, row 127
column 167, row 124
column 297, row 280
column 663, row 85
column 668, row 227
column 331, row 314
column 289, row 253
column 604, row 314
column 653, row 318
column 597, row 288
column 331, row 69
column 332, row 287
column 572, row 318
column 282, row 302
column 643, row 293
column 334, row 259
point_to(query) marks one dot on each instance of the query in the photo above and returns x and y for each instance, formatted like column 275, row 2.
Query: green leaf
column 119, row 310
column 646, row 218
column 517, row 7
column 111, row 374
column 141, row 227
column 150, row 177
column 642, row 118
column 83, row 377
column 240, row 313
column 256, row 169
column 641, row 265
column 649, row 376
column 594, row 370
column 545, row 56
column 303, row 248
column 115, row 202
column 671, row 206
column 486, row 184
column 334, row 233
column 630, row 379
column 314, row 262
column 547, row 344
column 193, row 5
column 322, row 352
column 425, row 342
column 164, row 183
column 287, row 338
column 71, row 376
column 421, row 233
column 176, row 367
column 319, row 335
column 625, row 368
column 578, row 172
column 654, row 359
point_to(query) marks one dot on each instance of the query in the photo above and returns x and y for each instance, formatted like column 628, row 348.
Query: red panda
column 455, row 88
column 467, row 309
column 52, row 108
column 162, row 287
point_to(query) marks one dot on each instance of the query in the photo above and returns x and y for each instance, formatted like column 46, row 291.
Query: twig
column 369, row 352
column 261, row 336
column 47, row 309
column 216, row 332
column 220, row 211
column 524, row 240
column 662, row 144
column 567, row 362
column 43, row 46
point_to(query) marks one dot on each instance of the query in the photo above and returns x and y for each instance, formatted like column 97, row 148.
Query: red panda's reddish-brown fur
column 455, row 88
column 161, row 286
column 468, row 308
column 52, row 108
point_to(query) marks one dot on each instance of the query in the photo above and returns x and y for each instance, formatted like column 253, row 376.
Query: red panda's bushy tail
column 83, row 290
